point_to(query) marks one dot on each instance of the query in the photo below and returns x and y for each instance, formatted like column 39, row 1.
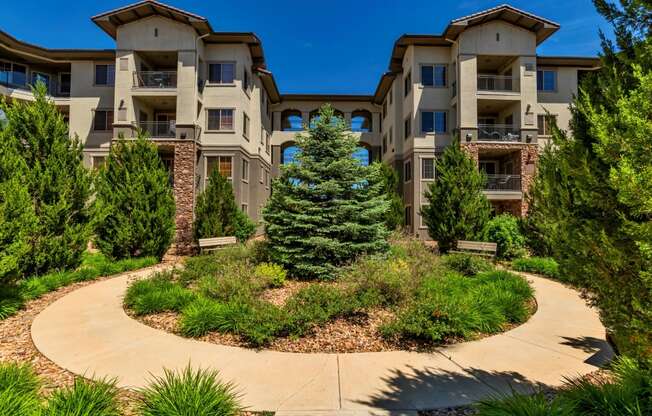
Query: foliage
column 541, row 265
column 135, row 203
column 189, row 393
column 505, row 231
column 18, row 390
column 467, row 264
column 85, row 398
column 394, row 219
column 454, row 306
column 457, row 209
column 315, row 305
column 521, row 405
column 216, row 213
column 272, row 273
column 157, row 294
column 44, row 191
column 326, row 209
column 592, row 196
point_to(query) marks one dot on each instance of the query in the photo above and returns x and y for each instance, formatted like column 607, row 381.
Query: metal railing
column 158, row 129
column 155, row 79
column 498, row 133
column 498, row 83
column 503, row 183
column 53, row 88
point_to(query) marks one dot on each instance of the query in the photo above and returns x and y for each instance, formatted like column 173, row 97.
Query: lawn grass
column 93, row 265
column 541, row 265
column 432, row 299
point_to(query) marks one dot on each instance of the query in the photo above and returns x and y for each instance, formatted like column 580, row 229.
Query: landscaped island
column 409, row 298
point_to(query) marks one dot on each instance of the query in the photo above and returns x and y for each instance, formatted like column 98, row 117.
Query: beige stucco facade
column 207, row 99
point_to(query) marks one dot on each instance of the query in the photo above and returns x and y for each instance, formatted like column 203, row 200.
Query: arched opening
column 288, row 153
column 361, row 121
column 314, row 117
column 291, row 120
column 363, row 155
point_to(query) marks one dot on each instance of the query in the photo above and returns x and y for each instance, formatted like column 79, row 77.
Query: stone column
column 184, row 193
column 529, row 159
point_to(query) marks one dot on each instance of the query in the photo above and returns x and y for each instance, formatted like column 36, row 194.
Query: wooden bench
column 477, row 248
column 215, row 243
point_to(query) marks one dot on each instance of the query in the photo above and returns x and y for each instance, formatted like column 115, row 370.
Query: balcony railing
column 498, row 133
column 503, row 183
column 53, row 88
column 158, row 129
column 155, row 79
column 500, row 83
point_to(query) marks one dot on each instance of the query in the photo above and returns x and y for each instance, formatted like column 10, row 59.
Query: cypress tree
column 216, row 213
column 49, row 183
column 457, row 208
column 394, row 218
column 326, row 208
column 135, row 202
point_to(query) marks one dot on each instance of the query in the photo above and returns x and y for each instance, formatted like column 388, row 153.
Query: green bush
column 467, row 264
column 521, row 405
column 157, row 294
column 245, row 228
column 18, row 390
column 189, row 392
column 213, row 264
column 135, row 203
column 204, row 315
column 540, row 265
column 85, row 398
column 273, row 274
column 505, row 231
column 379, row 282
column 315, row 305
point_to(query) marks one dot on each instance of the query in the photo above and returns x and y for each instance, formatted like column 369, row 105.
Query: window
column 433, row 122
column 384, row 143
column 220, row 119
column 391, row 135
column 223, row 163
column 407, row 171
column 291, row 120
column 64, row 83
column 245, row 126
column 546, row 80
column 433, row 75
column 384, row 109
column 221, row 73
column 245, row 208
column 267, row 179
column 267, row 142
column 245, row 82
column 407, row 84
column 408, row 216
column 361, row 121
column 407, row 127
column 41, row 77
column 428, row 168
column 11, row 73
column 363, row 155
column 98, row 161
column 245, row 170
column 105, row 74
column 546, row 123
column 103, row 120
column 289, row 154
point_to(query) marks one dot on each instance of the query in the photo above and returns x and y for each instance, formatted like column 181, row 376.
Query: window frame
column 246, row 126
column 106, row 119
column 108, row 80
column 407, row 127
column 407, row 84
column 434, row 122
column 434, row 75
column 407, row 214
column 208, row 75
column 218, row 156
column 407, row 178
column 423, row 160
column 542, row 71
column 543, row 127
column 59, row 76
column 244, row 170
column 220, row 130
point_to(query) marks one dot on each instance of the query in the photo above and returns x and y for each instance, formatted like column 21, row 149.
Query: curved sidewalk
column 88, row 333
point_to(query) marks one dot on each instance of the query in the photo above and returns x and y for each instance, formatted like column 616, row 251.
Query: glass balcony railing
column 503, row 183
column 155, row 79
column 498, row 133
column 501, row 83
column 19, row 82
column 158, row 129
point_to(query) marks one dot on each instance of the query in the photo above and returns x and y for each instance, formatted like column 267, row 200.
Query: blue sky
column 342, row 48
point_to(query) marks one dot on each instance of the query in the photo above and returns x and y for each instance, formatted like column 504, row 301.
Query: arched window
column 314, row 117
column 291, row 120
column 361, row 121
column 288, row 154
column 363, row 155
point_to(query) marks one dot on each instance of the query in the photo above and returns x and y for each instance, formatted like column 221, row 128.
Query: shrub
column 541, row 265
column 259, row 251
column 204, row 315
column 315, row 305
column 233, row 281
column 505, row 231
column 245, row 228
column 157, row 294
column 395, row 217
column 521, row 405
column 135, row 204
column 213, row 264
column 467, row 264
column 272, row 274
column 189, row 392
column 18, row 390
column 457, row 208
column 379, row 282
column 85, row 398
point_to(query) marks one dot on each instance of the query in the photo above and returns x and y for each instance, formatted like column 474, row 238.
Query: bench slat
column 216, row 241
column 477, row 245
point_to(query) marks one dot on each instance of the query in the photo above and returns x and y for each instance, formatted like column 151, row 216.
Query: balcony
column 155, row 79
column 498, row 133
column 503, row 183
column 158, row 129
column 498, row 83
column 54, row 89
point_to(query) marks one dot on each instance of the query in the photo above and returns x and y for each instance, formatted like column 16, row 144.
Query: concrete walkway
column 88, row 332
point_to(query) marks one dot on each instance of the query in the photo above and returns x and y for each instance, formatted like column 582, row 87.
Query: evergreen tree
column 135, row 202
column 457, row 208
column 326, row 209
column 592, row 197
column 394, row 218
column 216, row 213
column 49, row 184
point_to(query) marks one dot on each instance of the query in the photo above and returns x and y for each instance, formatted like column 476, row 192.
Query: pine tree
column 135, row 202
column 216, row 213
column 326, row 209
column 50, row 173
column 592, row 197
column 394, row 218
column 457, row 208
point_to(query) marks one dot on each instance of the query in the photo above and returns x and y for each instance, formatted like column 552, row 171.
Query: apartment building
column 208, row 100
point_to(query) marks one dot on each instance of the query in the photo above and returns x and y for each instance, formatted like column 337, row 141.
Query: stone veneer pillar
column 184, row 194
